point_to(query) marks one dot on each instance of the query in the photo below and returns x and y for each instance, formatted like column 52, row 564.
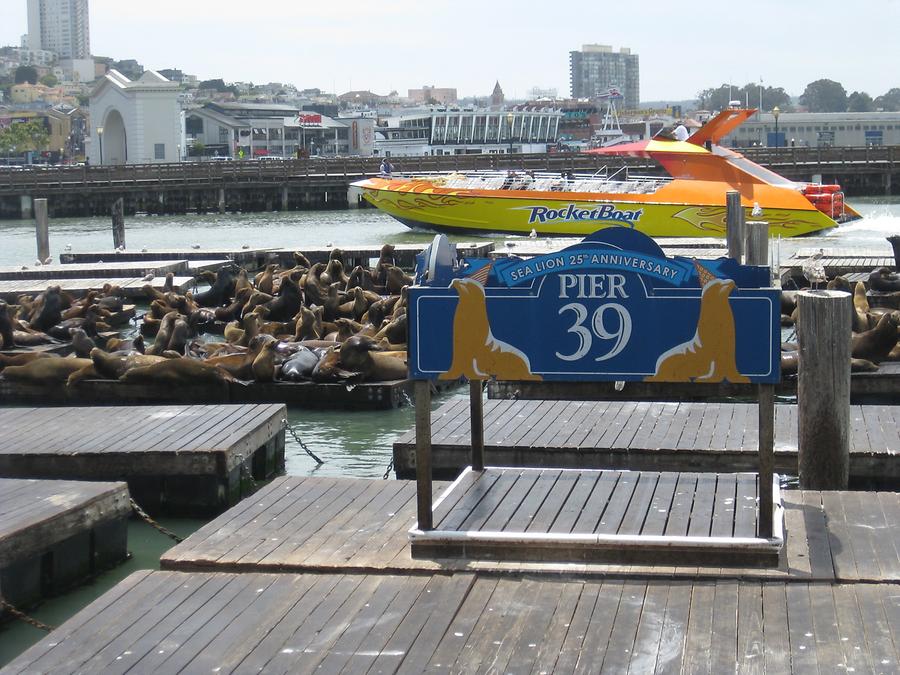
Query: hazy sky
column 382, row 45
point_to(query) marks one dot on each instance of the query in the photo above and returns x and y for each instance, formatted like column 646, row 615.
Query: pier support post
column 757, row 248
column 221, row 200
column 25, row 207
column 887, row 184
column 823, row 390
column 734, row 225
column 766, row 458
column 422, row 393
column 118, row 223
column 42, row 230
column 476, row 418
column 284, row 198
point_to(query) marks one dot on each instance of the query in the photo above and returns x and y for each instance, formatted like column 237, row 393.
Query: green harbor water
column 355, row 444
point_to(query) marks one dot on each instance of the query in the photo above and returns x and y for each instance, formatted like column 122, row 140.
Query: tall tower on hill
column 59, row 26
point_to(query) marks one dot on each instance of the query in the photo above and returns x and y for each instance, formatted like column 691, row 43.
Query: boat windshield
column 600, row 182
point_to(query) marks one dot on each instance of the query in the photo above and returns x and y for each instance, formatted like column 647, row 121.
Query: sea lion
column 229, row 312
column 164, row 334
column 395, row 331
column 50, row 313
column 328, row 368
column 82, row 343
column 360, row 353
column 179, row 372
column 45, row 371
column 839, row 284
column 181, row 331
column 220, row 291
column 299, row 366
column 264, row 279
column 790, row 362
column 385, row 259
column 6, row 329
column 24, row 357
column 309, row 324
column 875, row 344
column 242, row 336
column 135, row 344
column 396, row 279
column 355, row 306
column 862, row 366
column 315, row 291
column 360, row 277
column 885, row 281
column 263, row 367
column 894, row 241
column 288, row 302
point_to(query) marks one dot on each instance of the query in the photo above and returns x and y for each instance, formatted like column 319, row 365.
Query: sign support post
column 766, row 458
column 423, row 453
column 476, row 413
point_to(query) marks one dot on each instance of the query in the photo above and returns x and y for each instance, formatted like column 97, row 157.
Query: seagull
column 329, row 244
column 24, row 267
column 245, row 246
column 37, row 263
column 120, row 248
column 533, row 233
column 813, row 269
column 148, row 277
column 195, row 246
column 48, row 260
column 757, row 211
column 68, row 247
column 143, row 250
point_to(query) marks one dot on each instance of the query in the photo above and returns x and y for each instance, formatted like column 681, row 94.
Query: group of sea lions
column 875, row 331
column 307, row 322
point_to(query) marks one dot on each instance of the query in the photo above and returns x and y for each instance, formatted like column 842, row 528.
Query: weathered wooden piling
column 823, row 390
column 757, row 242
column 42, row 230
column 734, row 225
column 423, row 452
column 118, row 223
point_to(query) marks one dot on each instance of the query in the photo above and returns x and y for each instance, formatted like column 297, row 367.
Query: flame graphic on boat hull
column 714, row 218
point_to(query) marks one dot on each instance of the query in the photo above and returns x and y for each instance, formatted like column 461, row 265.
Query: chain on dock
column 152, row 523
column 302, row 444
column 22, row 616
column 387, row 472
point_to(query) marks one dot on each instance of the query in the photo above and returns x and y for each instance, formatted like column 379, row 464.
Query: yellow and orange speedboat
column 688, row 203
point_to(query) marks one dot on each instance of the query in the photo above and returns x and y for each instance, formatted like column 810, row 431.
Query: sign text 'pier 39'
column 612, row 307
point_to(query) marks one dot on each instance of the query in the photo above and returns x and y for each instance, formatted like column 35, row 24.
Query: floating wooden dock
column 404, row 254
column 836, row 262
column 95, row 270
column 881, row 386
column 693, row 247
column 350, row 598
column 249, row 257
column 471, row 623
column 326, row 396
column 644, row 436
column 180, row 460
column 54, row 533
column 132, row 287
column 347, row 525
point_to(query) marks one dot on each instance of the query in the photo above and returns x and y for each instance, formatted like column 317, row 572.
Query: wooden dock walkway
column 250, row 257
column 181, row 460
column 471, row 623
column 54, row 533
column 346, row 525
column 132, row 287
column 327, row 396
column 641, row 436
column 404, row 254
column 881, row 386
column 95, row 270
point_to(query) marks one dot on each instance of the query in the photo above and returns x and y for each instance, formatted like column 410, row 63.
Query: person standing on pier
column 386, row 168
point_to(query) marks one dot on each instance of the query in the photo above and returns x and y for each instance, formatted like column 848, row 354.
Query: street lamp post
column 509, row 128
column 776, row 111
column 100, row 139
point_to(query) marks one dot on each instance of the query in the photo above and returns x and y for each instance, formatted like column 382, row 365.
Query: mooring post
column 118, row 223
column 26, row 207
column 734, row 225
column 42, row 230
column 823, row 390
column 422, row 391
column 766, row 459
column 757, row 248
column 221, row 200
column 284, row 198
column 476, row 414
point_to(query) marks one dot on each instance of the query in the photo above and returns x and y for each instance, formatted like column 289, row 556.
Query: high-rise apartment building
column 59, row 26
column 597, row 68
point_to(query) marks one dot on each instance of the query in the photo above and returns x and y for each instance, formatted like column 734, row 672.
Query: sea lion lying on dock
column 876, row 344
column 885, row 281
column 45, row 371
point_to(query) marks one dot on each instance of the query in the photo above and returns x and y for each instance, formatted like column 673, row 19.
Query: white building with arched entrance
column 135, row 121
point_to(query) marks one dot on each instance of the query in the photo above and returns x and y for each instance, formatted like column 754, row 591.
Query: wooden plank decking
column 254, row 257
column 132, row 287
column 80, row 525
column 620, row 516
column 342, row 525
column 96, row 270
column 181, row 459
column 641, row 436
column 471, row 623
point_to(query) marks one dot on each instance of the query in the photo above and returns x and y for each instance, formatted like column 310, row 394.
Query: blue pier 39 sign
column 613, row 307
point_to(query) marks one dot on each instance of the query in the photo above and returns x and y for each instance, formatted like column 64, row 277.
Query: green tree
column 26, row 74
column 197, row 149
column 824, row 96
column 19, row 137
column 718, row 98
column 860, row 101
column 49, row 80
column 217, row 84
column 889, row 101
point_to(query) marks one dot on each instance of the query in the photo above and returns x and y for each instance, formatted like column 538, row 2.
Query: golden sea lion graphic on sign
column 710, row 355
column 477, row 354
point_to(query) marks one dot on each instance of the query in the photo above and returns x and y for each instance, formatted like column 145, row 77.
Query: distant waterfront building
column 59, row 26
column 597, row 68
column 818, row 130
column 135, row 121
column 443, row 96
column 497, row 97
column 467, row 132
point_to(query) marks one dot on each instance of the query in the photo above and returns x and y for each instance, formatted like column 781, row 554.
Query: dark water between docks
column 357, row 444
